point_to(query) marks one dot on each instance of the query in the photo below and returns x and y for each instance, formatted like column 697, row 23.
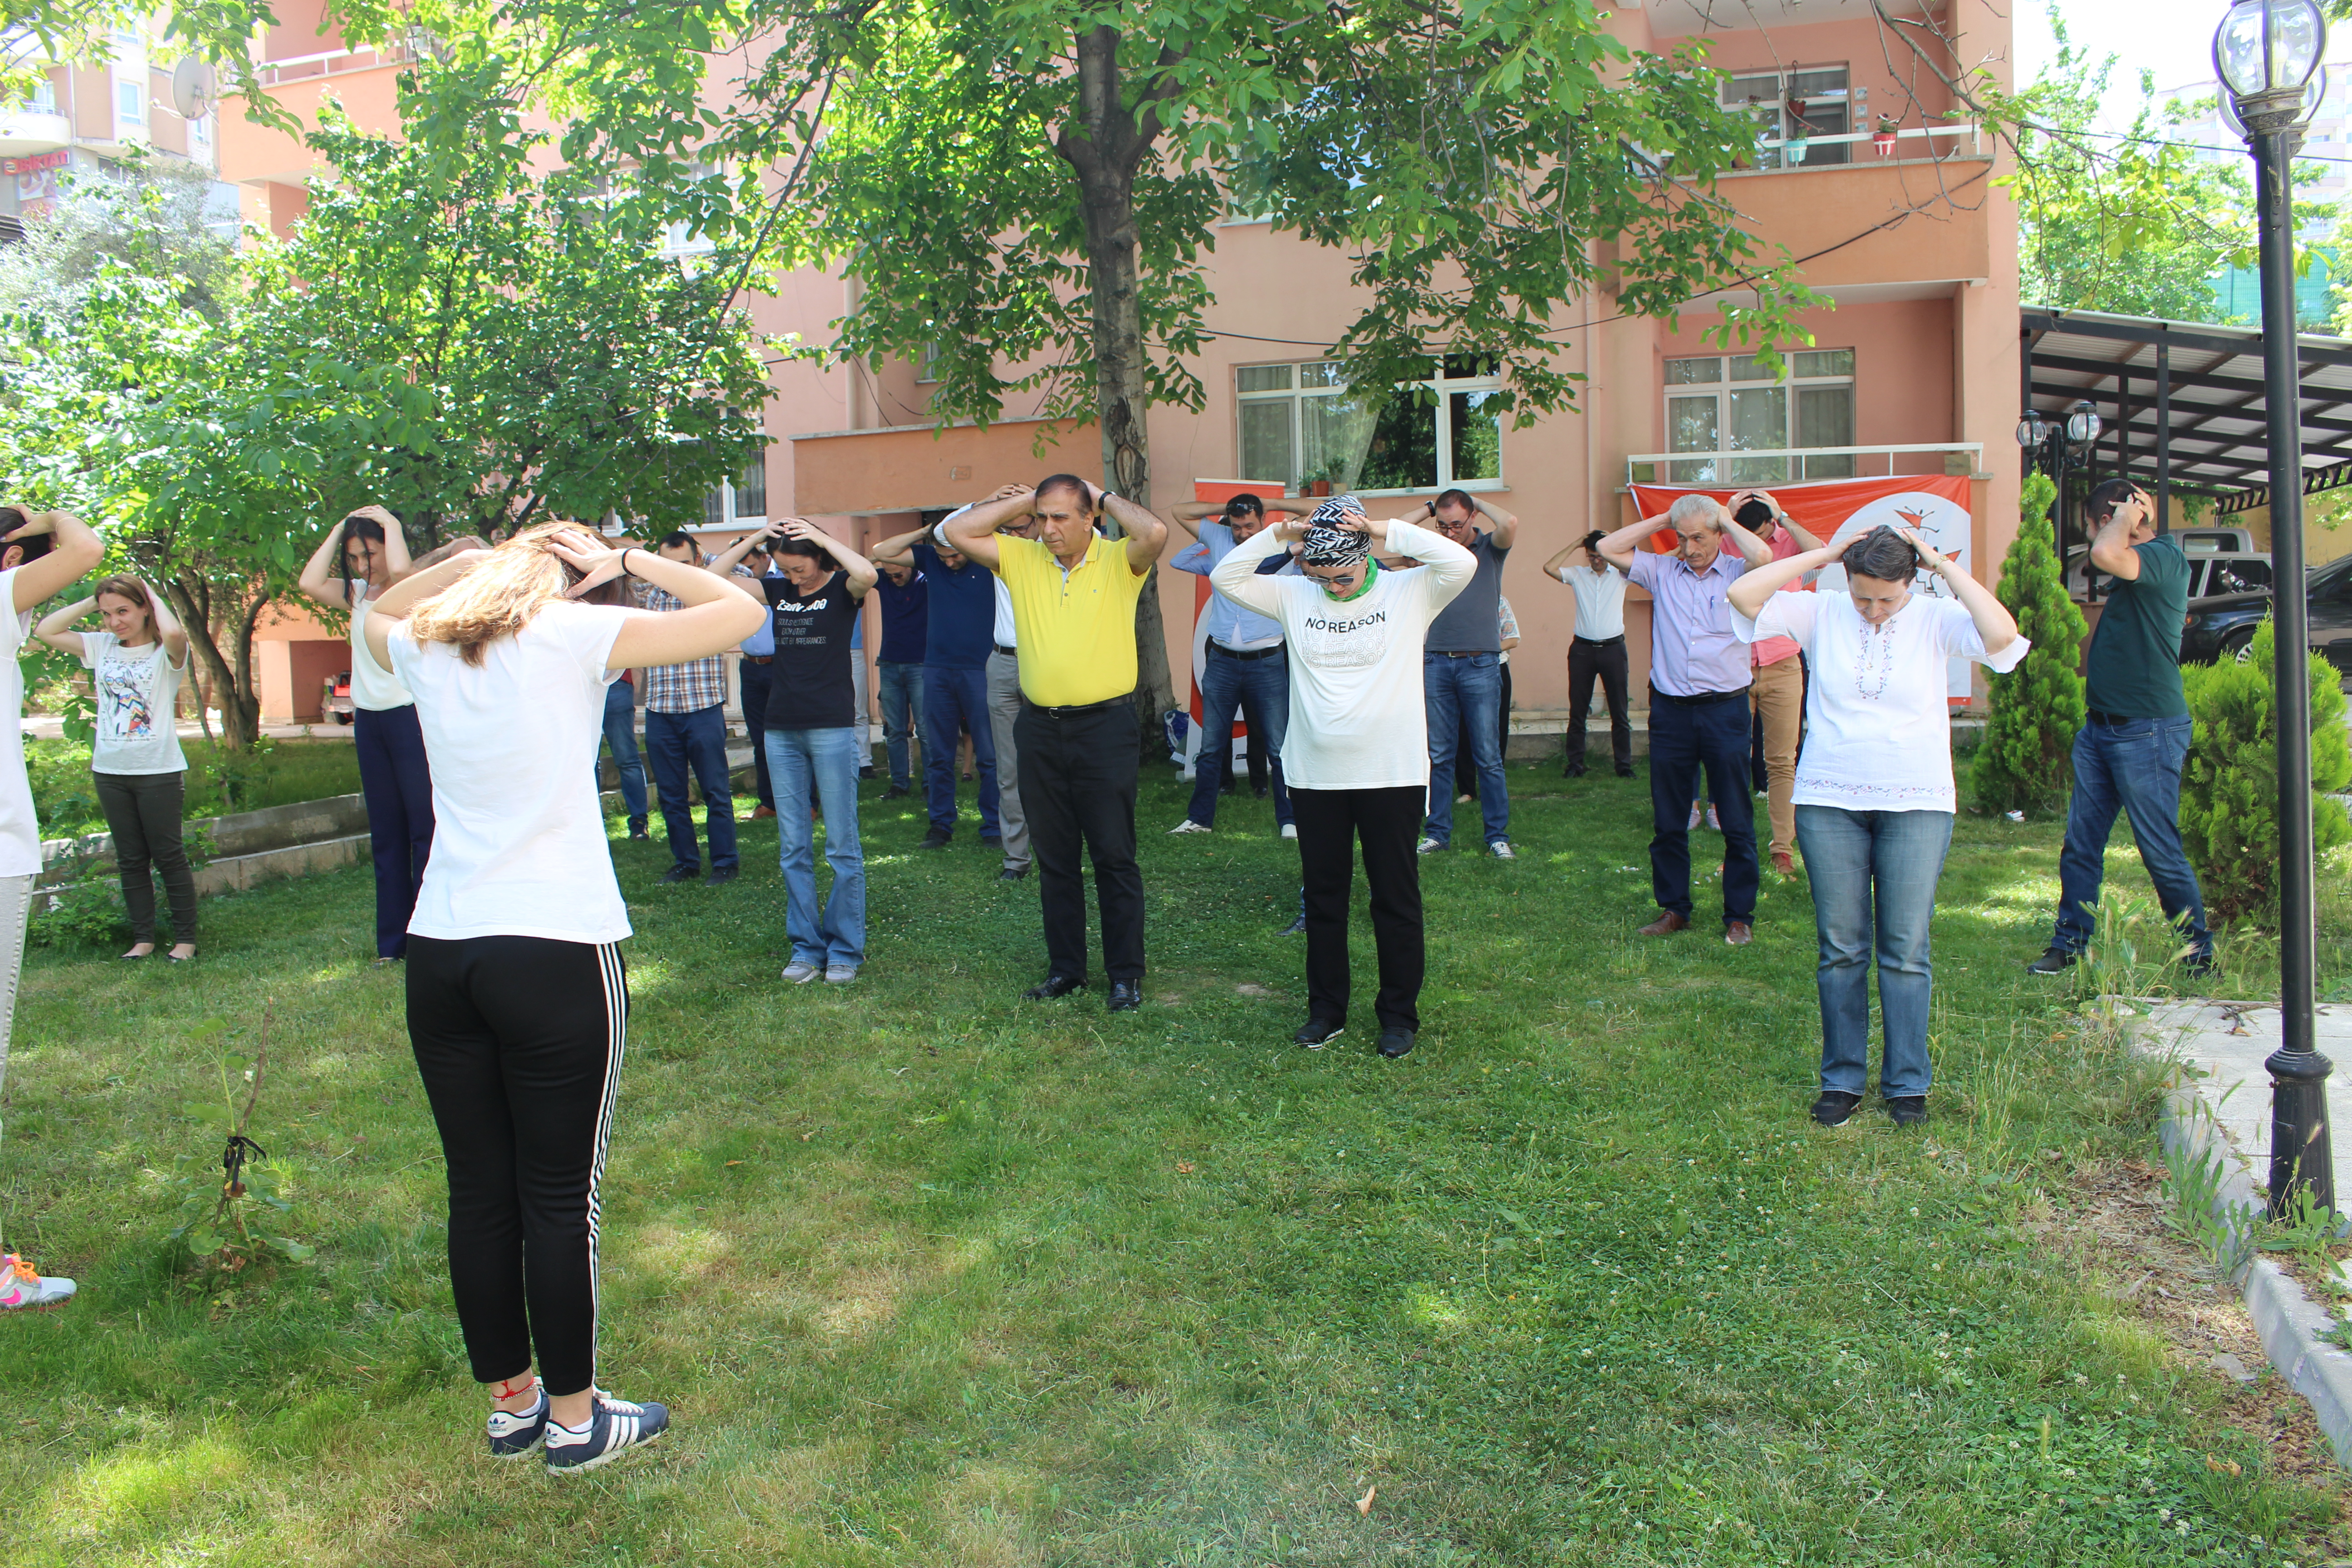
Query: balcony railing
column 1747, row 468
column 1969, row 129
column 331, row 62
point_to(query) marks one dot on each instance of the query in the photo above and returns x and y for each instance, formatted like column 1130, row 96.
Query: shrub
column 2228, row 790
column 2025, row 763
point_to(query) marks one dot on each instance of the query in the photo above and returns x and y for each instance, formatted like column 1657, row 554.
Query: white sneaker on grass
column 800, row 973
column 1501, row 850
column 1428, row 847
column 1290, row 830
column 22, row 1289
column 614, row 1428
column 840, row 973
column 1189, row 826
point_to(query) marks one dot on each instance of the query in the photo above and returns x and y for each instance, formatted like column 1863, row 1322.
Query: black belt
column 1008, row 652
column 1254, row 653
column 1601, row 642
column 1464, row 652
column 1696, row 699
column 2112, row 719
column 1120, row 701
column 759, row 658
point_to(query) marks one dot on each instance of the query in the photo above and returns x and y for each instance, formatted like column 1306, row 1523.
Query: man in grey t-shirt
column 1462, row 672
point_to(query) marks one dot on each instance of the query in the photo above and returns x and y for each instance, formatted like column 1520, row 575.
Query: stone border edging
column 2291, row 1326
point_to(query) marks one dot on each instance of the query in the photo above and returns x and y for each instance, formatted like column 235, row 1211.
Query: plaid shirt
column 686, row 688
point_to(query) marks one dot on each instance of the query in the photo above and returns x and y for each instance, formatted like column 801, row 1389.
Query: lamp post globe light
column 2082, row 423
column 2266, row 52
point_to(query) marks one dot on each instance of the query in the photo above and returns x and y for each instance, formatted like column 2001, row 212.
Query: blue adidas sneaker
column 513, row 1436
column 616, row 1427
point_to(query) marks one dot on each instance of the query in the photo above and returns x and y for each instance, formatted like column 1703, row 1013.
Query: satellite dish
column 192, row 87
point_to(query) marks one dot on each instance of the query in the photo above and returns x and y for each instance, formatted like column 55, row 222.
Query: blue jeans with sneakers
column 2133, row 768
column 1464, row 692
column 819, row 768
column 1874, row 875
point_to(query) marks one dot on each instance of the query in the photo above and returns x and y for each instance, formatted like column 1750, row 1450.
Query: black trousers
column 1586, row 659
column 1687, row 742
column 1388, row 823
column 142, row 813
column 519, row 1040
column 1077, row 788
column 753, row 681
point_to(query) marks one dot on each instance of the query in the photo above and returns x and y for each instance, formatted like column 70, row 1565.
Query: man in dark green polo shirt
column 2129, row 756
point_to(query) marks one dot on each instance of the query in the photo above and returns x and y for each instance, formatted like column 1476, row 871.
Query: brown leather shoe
column 1738, row 933
column 761, row 814
column 1665, row 924
column 1784, row 863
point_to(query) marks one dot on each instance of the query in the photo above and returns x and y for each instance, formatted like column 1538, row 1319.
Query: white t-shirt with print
column 1356, row 716
column 519, row 845
column 138, row 697
column 1878, row 718
column 20, row 832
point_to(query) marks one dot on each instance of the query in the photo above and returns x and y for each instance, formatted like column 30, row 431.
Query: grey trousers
column 143, row 812
column 15, row 904
column 1003, row 708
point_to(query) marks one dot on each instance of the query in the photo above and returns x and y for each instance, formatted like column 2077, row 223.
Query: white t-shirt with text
column 519, row 845
column 138, row 692
column 1357, row 718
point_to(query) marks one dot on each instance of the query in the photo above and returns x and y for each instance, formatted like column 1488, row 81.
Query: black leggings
column 520, row 1040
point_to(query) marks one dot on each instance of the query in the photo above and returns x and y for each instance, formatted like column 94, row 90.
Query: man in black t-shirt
column 812, row 742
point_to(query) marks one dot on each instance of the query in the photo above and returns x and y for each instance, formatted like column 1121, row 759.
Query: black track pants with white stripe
column 520, row 1040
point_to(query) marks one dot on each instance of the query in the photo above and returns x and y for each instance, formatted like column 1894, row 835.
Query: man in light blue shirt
column 1245, row 659
column 753, row 673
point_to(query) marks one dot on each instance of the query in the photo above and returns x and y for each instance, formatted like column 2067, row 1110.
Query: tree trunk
column 1105, row 144
column 232, row 682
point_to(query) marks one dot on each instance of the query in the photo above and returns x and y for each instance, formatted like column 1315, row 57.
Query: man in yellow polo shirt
column 1074, row 595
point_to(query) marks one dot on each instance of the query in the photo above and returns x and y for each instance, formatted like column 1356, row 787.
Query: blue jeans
column 1687, row 742
column 1874, row 875
column 621, row 734
column 954, row 698
column 1223, row 682
column 820, row 767
column 696, row 740
column 1465, row 691
column 902, row 715
column 2133, row 767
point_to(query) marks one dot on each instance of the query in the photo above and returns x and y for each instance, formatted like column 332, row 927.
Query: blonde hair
column 499, row 594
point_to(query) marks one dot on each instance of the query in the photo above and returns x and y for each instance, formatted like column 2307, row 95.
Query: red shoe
column 761, row 812
column 1783, row 863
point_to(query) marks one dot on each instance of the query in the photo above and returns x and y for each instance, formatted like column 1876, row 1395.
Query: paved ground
column 2226, row 1043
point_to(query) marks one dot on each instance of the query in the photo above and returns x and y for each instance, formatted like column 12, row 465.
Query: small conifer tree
column 2228, row 790
column 2025, row 763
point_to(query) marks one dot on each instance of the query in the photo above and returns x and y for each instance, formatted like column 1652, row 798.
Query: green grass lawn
column 219, row 779
column 933, row 1275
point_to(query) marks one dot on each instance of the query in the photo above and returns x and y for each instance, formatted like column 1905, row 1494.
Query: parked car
column 2220, row 560
column 2221, row 626
column 337, row 698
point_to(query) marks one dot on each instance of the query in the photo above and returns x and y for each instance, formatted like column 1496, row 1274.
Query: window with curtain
column 1301, row 423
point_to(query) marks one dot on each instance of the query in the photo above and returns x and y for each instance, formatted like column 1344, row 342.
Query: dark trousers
column 752, row 681
column 1465, row 755
column 1077, row 787
column 143, row 812
column 1606, row 661
column 520, row 1040
column 1685, row 741
column 1226, row 684
column 953, row 698
column 397, row 788
column 1387, row 822
column 675, row 742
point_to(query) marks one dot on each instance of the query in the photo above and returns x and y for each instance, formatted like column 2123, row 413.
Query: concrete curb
column 2291, row 1325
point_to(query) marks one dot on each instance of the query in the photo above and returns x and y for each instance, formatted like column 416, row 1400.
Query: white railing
column 1968, row 128
column 1658, row 461
column 331, row 62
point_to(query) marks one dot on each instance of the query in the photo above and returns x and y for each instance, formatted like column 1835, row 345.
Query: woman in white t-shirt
column 136, row 666
column 361, row 558
column 1874, row 798
column 518, row 1004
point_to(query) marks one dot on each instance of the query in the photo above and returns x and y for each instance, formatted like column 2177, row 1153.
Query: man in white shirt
column 1598, row 650
column 1005, row 707
column 1356, row 755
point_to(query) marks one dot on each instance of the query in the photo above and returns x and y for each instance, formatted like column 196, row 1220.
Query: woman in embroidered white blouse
column 1874, row 796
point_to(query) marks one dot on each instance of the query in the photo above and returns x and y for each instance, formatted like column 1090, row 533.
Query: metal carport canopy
column 2183, row 400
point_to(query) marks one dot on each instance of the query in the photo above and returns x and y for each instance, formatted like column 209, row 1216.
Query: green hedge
column 219, row 780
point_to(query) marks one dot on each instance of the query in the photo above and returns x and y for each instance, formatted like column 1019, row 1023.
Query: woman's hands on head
column 596, row 561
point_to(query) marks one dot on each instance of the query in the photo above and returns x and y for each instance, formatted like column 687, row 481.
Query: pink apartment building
column 1914, row 369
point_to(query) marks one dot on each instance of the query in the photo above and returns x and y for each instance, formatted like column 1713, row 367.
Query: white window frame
column 1686, row 470
column 729, row 516
column 1768, row 151
column 1440, row 386
column 131, row 96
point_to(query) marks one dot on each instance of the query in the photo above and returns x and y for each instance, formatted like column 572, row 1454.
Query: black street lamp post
column 2265, row 52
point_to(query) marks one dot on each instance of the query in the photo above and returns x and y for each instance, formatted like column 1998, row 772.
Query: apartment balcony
column 921, row 468
column 365, row 81
column 26, row 131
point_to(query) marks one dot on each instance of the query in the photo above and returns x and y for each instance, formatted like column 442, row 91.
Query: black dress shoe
column 1051, row 986
column 1010, row 875
column 1318, row 1032
column 1624, row 773
column 936, row 838
column 991, row 841
column 1573, row 771
column 724, row 874
column 1295, row 928
column 680, row 874
column 1395, row 1043
column 897, row 791
column 1126, row 995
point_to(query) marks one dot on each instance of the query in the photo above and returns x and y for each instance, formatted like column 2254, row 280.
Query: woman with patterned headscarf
column 1356, row 755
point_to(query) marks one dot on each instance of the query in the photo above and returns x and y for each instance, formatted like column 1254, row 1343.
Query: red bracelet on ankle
column 506, row 1390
